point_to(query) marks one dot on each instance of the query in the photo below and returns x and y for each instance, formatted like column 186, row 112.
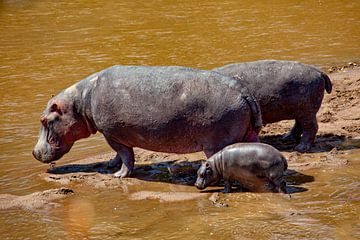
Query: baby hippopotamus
column 257, row 167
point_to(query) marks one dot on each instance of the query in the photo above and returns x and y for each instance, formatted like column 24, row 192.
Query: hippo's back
column 161, row 108
column 159, row 94
column 283, row 89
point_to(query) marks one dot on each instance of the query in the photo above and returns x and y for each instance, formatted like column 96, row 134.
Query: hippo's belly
column 182, row 135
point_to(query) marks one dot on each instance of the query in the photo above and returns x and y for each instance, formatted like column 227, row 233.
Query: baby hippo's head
column 206, row 176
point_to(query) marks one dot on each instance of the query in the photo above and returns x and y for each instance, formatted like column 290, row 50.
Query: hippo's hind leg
column 295, row 132
column 124, row 154
column 310, row 128
column 116, row 161
column 279, row 185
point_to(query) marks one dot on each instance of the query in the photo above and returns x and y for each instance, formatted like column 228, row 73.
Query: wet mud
column 34, row 201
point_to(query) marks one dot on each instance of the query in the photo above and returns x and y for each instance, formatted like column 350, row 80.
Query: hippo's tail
column 328, row 84
column 255, row 112
column 285, row 164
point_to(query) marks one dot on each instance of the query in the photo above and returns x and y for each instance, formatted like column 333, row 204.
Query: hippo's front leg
column 127, row 157
column 124, row 154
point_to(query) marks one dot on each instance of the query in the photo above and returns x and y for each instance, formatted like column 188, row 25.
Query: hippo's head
column 61, row 126
column 206, row 176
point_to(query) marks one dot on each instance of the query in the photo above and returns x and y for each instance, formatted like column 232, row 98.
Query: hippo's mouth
column 53, row 141
column 49, row 147
column 200, row 184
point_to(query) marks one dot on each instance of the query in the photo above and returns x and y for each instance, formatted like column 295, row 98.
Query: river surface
column 46, row 46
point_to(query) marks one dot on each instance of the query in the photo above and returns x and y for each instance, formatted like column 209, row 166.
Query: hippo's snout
column 43, row 156
column 199, row 184
column 48, row 154
column 199, row 187
column 36, row 155
column 45, row 153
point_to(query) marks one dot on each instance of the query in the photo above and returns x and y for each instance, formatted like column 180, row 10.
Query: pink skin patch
column 252, row 136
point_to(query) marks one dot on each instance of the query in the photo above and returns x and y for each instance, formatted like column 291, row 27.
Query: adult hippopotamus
column 257, row 167
column 165, row 109
column 285, row 90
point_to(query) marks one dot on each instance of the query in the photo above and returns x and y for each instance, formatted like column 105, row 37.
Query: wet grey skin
column 285, row 90
column 165, row 109
column 257, row 167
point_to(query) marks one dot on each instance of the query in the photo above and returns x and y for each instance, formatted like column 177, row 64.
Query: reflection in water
column 48, row 45
column 79, row 218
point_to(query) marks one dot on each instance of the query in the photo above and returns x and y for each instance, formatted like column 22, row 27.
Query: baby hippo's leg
column 228, row 185
column 283, row 186
column 277, row 185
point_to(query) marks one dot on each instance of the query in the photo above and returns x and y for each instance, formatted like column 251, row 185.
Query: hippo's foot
column 303, row 147
column 123, row 172
column 126, row 168
column 282, row 187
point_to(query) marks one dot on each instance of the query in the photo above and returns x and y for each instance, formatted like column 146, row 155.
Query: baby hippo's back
column 245, row 154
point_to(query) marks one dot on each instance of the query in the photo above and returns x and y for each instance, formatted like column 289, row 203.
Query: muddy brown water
column 46, row 46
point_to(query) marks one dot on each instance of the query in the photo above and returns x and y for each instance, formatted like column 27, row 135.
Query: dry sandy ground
column 339, row 132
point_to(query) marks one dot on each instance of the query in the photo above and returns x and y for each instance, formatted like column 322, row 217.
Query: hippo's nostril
column 43, row 120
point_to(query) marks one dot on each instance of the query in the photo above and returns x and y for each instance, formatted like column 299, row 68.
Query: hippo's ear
column 55, row 107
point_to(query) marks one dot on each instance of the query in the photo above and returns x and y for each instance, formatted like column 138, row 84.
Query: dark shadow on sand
column 173, row 172
column 290, row 189
column 293, row 180
column 99, row 167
